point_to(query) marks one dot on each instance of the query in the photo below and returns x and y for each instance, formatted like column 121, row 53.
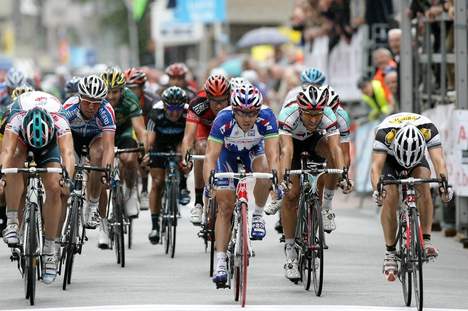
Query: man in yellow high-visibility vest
column 374, row 96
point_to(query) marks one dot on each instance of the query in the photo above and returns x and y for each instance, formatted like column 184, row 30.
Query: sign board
column 205, row 11
column 179, row 33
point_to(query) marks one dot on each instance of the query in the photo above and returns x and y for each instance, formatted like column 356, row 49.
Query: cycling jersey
column 104, row 119
column 147, row 101
column 291, row 96
column 168, row 133
column 30, row 100
column 127, row 108
column 386, row 132
column 290, row 123
column 225, row 130
column 200, row 111
column 343, row 121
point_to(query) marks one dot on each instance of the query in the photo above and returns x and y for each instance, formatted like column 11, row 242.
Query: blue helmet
column 71, row 86
column 312, row 76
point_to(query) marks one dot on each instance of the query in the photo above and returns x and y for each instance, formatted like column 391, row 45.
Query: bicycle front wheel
column 245, row 253
column 72, row 234
column 317, row 239
column 405, row 262
column 119, row 223
column 416, row 242
column 30, row 249
column 174, row 210
column 211, row 232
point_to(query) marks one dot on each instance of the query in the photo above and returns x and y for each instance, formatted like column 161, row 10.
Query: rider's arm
column 10, row 140
column 213, row 149
column 67, row 152
column 438, row 160
column 335, row 150
column 272, row 154
column 189, row 137
column 287, row 149
column 345, row 149
column 378, row 162
column 108, row 148
column 138, row 124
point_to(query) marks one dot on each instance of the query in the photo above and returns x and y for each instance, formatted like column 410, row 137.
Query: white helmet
column 14, row 78
column 92, row 87
column 409, row 146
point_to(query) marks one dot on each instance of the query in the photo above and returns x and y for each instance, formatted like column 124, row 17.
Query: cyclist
column 309, row 76
column 92, row 123
column 165, row 133
column 71, row 87
column 399, row 148
column 177, row 74
column 136, row 81
column 14, row 78
column 203, row 109
column 306, row 125
column 247, row 130
column 129, row 121
column 36, row 125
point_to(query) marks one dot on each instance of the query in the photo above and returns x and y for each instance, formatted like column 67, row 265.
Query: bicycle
column 30, row 232
column 309, row 235
column 74, row 234
column 239, row 249
column 410, row 243
column 170, row 199
column 208, row 220
column 119, row 224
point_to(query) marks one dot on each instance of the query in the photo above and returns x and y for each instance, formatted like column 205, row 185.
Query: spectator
column 373, row 95
column 383, row 61
column 391, row 80
column 394, row 38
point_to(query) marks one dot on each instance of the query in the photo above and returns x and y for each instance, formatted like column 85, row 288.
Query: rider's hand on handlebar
column 378, row 197
column 185, row 167
column 146, row 159
column 346, row 185
column 446, row 194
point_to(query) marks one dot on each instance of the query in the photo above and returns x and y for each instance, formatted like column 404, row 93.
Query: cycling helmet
column 237, row 82
column 312, row 98
column 246, row 98
column 177, row 70
column 333, row 99
column 38, row 127
column 216, row 86
column 114, row 78
column 174, row 97
column 409, row 146
column 71, row 87
column 135, row 77
column 14, row 78
column 21, row 90
column 92, row 87
column 312, row 76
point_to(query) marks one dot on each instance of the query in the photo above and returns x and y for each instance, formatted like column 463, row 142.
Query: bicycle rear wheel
column 118, row 226
column 317, row 239
column 405, row 264
column 416, row 241
column 31, row 260
column 211, row 232
column 174, row 210
column 72, row 233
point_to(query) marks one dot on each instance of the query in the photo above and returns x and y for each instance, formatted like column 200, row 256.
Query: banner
column 205, row 11
column 364, row 140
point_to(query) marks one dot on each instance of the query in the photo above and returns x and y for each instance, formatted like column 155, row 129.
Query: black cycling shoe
column 184, row 197
column 279, row 226
column 153, row 237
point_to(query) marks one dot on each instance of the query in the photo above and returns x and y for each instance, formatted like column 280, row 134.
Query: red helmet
column 217, row 86
column 177, row 70
column 312, row 98
column 135, row 77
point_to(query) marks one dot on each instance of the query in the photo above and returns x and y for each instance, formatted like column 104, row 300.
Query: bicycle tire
column 245, row 253
column 417, row 262
column 174, row 209
column 305, row 231
column 30, row 253
column 211, row 232
column 237, row 281
column 71, row 242
column 130, row 233
column 405, row 260
column 167, row 224
column 318, row 236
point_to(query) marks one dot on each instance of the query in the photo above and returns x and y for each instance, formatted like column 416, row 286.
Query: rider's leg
column 157, row 185
column 196, row 212
column 261, row 190
column 94, row 184
column 129, row 171
column 388, row 219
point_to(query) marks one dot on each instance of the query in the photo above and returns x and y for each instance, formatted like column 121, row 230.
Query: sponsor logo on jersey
column 427, row 134
column 390, row 136
column 200, row 107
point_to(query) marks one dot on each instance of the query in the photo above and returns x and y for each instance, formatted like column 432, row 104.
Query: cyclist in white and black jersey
column 400, row 145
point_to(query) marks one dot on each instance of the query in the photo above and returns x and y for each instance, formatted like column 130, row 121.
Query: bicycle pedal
column 325, row 246
column 222, row 285
column 282, row 239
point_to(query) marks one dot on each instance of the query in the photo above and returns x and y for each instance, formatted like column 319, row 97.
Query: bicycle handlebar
column 164, row 154
column 315, row 171
column 256, row 175
column 32, row 170
column 118, row 151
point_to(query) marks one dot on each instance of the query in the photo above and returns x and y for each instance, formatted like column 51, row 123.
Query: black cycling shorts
column 308, row 145
column 394, row 170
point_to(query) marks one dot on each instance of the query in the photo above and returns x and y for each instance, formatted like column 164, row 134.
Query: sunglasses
column 172, row 108
column 91, row 101
column 223, row 100
column 311, row 114
column 249, row 114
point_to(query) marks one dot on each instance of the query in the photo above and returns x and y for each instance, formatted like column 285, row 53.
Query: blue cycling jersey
column 104, row 120
column 227, row 131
